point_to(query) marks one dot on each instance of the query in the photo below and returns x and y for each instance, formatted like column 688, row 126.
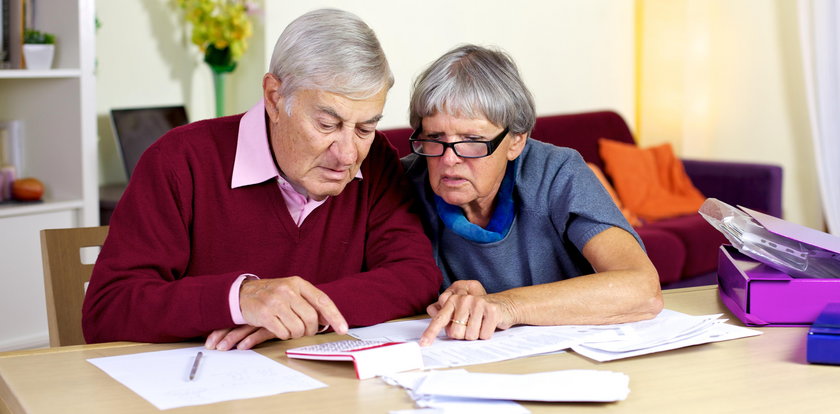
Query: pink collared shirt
column 254, row 164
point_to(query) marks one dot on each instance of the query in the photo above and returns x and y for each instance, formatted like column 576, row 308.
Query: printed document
column 513, row 343
column 668, row 330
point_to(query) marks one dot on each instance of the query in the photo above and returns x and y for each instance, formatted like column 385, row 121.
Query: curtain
column 819, row 29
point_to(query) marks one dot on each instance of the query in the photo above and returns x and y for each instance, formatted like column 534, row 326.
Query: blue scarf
column 454, row 219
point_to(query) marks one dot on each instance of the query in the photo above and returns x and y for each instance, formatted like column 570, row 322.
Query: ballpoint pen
column 195, row 365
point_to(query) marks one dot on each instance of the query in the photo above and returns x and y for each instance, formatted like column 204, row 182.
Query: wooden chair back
column 65, row 277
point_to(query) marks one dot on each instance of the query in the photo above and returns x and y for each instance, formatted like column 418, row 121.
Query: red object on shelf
column 27, row 189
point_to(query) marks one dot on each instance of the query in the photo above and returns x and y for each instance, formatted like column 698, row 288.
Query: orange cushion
column 651, row 182
column 631, row 218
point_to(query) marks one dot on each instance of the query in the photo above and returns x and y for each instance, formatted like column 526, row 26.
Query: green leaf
column 32, row 36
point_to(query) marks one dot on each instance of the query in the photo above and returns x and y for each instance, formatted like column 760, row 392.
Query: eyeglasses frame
column 491, row 145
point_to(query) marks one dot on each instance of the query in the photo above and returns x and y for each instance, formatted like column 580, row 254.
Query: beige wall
column 730, row 68
column 723, row 80
column 575, row 55
column 145, row 59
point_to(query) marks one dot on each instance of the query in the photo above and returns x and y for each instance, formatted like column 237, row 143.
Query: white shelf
column 39, row 74
column 19, row 209
column 57, row 109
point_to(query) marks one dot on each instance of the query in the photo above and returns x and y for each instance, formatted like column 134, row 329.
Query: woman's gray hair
column 474, row 82
column 330, row 50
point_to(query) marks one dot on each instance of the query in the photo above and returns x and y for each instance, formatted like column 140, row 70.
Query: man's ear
column 517, row 144
column 274, row 102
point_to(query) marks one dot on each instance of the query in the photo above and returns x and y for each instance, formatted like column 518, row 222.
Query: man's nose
column 344, row 147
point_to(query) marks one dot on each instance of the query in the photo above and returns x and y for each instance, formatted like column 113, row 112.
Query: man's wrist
column 233, row 297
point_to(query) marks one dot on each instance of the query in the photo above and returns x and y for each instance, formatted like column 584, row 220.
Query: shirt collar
column 253, row 163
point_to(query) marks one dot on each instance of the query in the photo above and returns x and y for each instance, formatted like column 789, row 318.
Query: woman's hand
column 467, row 312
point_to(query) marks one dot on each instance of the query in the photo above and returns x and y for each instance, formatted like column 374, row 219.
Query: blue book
column 824, row 337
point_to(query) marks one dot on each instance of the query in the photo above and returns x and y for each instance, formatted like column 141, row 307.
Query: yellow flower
column 218, row 23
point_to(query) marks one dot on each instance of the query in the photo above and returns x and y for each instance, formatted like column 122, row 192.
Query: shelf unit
column 58, row 111
column 30, row 74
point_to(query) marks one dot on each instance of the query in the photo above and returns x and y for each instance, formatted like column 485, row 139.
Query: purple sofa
column 679, row 247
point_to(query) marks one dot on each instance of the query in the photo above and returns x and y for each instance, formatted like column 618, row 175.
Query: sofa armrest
column 757, row 186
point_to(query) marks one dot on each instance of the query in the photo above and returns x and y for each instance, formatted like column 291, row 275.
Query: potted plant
column 38, row 49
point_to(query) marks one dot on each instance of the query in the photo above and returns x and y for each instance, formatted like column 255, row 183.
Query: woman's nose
column 449, row 156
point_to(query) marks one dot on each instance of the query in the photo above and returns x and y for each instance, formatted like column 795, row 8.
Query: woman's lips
column 452, row 180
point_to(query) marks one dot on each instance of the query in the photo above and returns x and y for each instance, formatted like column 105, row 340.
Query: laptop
column 135, row 129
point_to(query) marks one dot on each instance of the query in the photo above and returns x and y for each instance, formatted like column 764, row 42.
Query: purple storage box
column 760, row 295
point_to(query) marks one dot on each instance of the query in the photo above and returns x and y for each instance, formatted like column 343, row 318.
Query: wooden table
column 766, row 373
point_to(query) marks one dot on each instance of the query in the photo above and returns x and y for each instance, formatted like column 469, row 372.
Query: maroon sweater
column 180, row 236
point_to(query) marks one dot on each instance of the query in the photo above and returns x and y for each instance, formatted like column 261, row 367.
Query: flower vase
column 221, row 63
column 219, row 89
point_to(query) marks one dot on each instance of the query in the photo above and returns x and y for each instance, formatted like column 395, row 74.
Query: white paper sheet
column 411, row 380
column 447, row 404
column 460, row 391
column 554, row 386
column 162, row 377
column 458, row 405
column 402, row 331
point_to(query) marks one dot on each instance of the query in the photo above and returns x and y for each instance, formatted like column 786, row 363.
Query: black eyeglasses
column 463, row 149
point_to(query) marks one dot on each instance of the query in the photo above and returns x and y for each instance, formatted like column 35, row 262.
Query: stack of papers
column 669, row 330
column 480, row 392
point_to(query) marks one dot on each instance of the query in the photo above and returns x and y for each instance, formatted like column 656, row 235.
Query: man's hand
column 243, row 337
column 285, row 308
column 467, row 312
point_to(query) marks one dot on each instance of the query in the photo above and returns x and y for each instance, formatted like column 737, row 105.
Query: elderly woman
column 522, row 230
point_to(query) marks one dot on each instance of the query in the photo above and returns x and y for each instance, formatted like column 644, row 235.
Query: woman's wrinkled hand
column 467, row 312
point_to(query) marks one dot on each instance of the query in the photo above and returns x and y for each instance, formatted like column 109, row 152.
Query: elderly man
column 274, row 223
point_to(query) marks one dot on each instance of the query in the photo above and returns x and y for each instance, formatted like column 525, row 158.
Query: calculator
column 370, row 358
column 336, row 351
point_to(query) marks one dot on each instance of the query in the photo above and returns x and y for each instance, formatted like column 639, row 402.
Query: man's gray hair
column 330, row 50
column 474, row 82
